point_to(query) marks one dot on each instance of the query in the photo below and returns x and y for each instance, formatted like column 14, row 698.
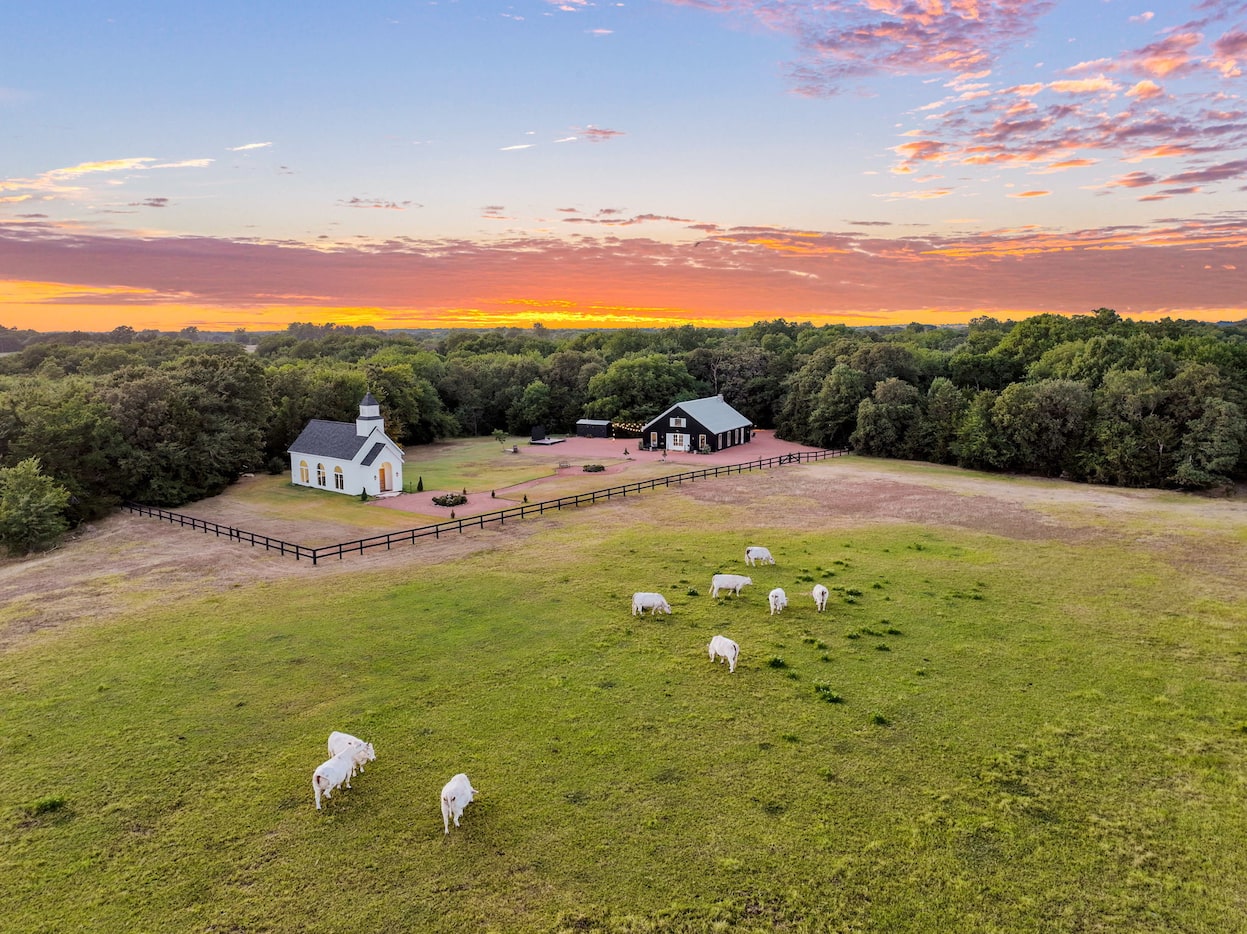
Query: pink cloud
column 596, row 134
column 738, row 275
column 839, row 42
column 1228, row 51
column 1145, row 90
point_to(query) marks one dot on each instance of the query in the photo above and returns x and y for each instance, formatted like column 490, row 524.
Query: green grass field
column 980, row 735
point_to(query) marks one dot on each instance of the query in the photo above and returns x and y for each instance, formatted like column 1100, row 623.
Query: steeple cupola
column 369, row 416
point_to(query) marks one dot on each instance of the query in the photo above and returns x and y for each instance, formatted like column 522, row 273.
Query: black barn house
column 699, row 424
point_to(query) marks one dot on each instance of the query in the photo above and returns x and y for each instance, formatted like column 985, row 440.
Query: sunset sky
column 585, row 163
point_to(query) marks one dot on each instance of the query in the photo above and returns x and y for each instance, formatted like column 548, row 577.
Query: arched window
column 320, row 474
column 303, row 476
column 339, row 479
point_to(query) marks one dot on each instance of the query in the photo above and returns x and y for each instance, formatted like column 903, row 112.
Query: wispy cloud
column 597, row 134
column 377, row 204
column 185, row 164
column 246, row 146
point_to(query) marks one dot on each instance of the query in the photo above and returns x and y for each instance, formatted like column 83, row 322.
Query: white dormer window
column 678, row 423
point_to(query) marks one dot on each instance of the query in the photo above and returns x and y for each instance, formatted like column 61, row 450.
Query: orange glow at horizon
column 36, row 306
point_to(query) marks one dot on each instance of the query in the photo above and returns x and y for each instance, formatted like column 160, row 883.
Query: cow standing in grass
column 756, row 554
column 724, row 648
column 731, row 582
column 654, row 602
column 456, row 795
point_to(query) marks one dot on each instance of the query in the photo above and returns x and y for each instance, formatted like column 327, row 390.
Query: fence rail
column 437, row 529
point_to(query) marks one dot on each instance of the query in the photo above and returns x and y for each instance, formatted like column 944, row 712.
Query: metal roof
column 712, row 413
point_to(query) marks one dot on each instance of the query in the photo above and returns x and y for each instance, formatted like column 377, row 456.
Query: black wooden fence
column 437, row 529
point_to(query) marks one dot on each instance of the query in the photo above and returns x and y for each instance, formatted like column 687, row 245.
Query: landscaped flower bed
column 593, row 468
column 450, row 499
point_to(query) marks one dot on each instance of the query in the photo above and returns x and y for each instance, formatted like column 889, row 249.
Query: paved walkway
column 576, row 452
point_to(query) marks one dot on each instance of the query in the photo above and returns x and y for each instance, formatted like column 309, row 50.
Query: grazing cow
column 728, row 582
column 361, row 752
column 332, row 773
column 725, row 648
column 778, row 600
column 756, row 554
column 649, row 601
column 456, row 795
column 820, row 595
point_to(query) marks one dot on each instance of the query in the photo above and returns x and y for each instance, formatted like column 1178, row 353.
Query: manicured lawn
column 476, row 464
column 1030, row 736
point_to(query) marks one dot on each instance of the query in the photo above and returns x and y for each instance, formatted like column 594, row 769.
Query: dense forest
column 88, row 420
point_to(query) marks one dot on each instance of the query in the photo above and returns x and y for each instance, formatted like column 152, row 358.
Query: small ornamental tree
column 32, row 508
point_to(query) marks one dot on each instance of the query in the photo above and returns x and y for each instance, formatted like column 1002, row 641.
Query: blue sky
column 240, row 164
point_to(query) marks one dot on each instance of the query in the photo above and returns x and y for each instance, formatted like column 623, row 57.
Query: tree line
column 165, row 419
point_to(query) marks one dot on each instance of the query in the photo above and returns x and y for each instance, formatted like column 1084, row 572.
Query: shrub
column 777, row 662
column 420, row 485
column 878, row 719
column 450, row 499
column 32, row 508
column 824, row 693
column 592, row 468
column 47, row 805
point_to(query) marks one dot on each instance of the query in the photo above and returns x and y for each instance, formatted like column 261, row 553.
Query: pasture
column 1024, row 710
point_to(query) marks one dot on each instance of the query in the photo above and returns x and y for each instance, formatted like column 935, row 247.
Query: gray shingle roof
column 712, row 412
column 324, row 438
column 372, row 455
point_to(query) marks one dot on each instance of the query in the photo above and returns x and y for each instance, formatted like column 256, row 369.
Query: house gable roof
column 712, row 413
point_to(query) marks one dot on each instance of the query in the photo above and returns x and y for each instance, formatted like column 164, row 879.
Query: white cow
column 778, row 600
column 756, row 554
column 649, row 601
column 332, row 773
column 361, row 752
column 725, row 648
column 456, row 795
column 820, row 594
column 728, row 582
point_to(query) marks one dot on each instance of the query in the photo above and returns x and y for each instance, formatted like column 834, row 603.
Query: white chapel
column 348, row 457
